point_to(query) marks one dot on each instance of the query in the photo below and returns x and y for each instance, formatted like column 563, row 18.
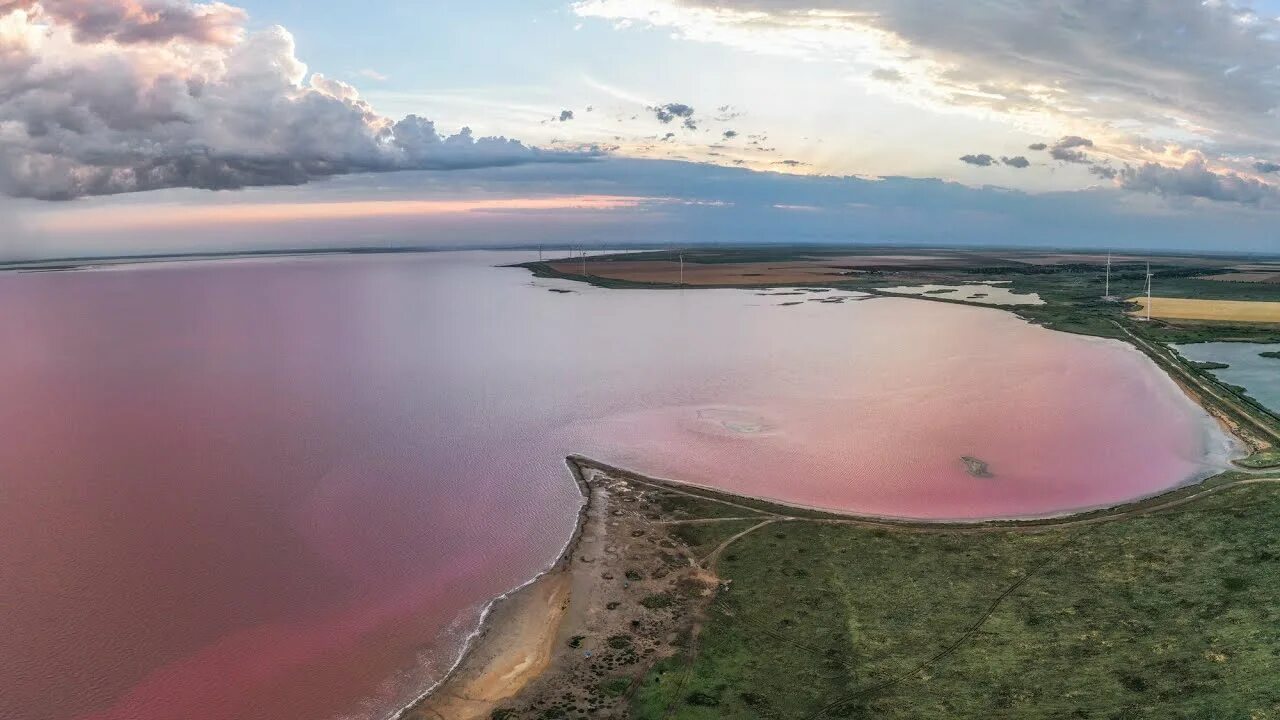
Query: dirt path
column 710, row 560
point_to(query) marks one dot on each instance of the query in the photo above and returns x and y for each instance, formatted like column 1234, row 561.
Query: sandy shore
column 513, row 649
column 629, row 592
column 584, row 634
column 516, row 639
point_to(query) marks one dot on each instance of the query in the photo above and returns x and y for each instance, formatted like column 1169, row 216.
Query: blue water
column 1260, row 376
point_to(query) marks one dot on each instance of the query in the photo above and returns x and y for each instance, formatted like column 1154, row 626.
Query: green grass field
column 1172, row 615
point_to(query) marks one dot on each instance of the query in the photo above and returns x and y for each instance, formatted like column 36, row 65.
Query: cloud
column 889, row 75
column 566, row 115
column 1016, row 161
column 1196, row 179
column 706, row 202
column 113, row 96
column 1037, row 146
column 727, row 113
column 138, row 21
column 1266, row 166
column 1065, row 149
column 1104, row 171
column 982, row 160
column 730, row 134
column 1148, row 81
column 371, row 74
column 673, row 111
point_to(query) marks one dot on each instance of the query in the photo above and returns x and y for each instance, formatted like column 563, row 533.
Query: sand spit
column 626, row 594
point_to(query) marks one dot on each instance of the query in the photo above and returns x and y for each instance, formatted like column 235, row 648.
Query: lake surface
column 286, row 489
column 1258, row 375
column 983, row 293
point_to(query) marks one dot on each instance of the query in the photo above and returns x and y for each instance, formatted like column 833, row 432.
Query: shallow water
column 1259, row 376
column 987, row 293
column 267, row 490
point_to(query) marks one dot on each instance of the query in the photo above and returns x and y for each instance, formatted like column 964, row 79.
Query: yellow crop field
column 1225, row 310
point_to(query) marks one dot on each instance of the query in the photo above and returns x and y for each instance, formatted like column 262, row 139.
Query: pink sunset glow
column 110, row 219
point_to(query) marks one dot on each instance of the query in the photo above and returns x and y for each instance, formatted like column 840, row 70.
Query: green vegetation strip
column 1167, row 615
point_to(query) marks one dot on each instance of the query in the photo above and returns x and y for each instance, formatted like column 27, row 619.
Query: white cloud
column 1196, row 179
column 111, row 96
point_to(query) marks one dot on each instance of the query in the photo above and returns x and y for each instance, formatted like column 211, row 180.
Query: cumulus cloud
column 1017, row 161
column 566, row 115
column 1104, row 171
column 981, row 160
column 675, row 111
column 138, row 21
column 112, row 96
column 1067, row 150
column 1196, row 179
column 730, row 134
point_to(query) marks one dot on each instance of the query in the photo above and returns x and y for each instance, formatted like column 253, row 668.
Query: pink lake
column 268, row 490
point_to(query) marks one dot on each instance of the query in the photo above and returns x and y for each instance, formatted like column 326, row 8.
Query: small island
column 977, row 468
column 1273, row 354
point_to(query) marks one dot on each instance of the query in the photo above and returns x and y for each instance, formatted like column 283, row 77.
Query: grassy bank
column 1164, row 616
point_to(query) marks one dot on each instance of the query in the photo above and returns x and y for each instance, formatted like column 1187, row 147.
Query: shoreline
column 468, row 691
column 515, row 645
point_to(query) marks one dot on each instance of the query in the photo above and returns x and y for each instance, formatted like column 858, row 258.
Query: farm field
column 1167, row 308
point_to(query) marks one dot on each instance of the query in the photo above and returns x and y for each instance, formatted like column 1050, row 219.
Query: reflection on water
column 286, row 489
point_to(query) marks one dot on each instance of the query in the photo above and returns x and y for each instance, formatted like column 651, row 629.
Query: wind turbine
column 1107, row 294
column 682, row 269
column 1149, row 276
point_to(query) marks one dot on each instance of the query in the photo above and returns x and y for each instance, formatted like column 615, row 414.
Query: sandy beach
column 513, row 649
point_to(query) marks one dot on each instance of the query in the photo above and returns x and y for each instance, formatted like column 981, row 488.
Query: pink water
column 286, row 489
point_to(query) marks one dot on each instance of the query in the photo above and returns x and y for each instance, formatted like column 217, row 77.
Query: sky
column 133, row 126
